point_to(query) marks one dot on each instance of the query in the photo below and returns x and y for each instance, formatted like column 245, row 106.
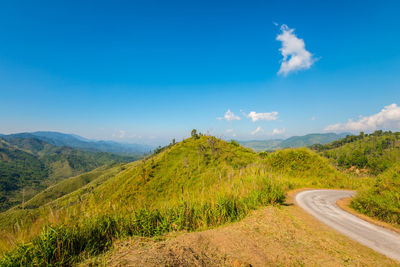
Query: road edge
column 344, row 204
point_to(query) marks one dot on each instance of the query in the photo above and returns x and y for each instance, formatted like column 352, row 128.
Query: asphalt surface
column 322, row 205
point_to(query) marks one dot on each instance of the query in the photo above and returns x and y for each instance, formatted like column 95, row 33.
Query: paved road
column 322, row 205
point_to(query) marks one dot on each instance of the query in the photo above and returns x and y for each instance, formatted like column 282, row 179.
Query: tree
column 194, row 134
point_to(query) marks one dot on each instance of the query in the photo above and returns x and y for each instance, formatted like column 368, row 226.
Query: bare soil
column 271, row 236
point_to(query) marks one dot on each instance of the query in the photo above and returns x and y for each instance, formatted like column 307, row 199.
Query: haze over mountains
column 293, row 142
column 76, row 141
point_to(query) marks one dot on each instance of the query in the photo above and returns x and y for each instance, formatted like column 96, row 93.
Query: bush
column 381, row 200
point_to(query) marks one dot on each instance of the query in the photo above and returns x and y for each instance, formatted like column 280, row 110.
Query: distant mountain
column 292, row 142
column 75, row 141
column 311, row 139
column 262, row 145
column 28, row 165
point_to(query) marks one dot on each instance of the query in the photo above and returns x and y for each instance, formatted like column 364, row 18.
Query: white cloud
column 258, row 130
column 295, row 55
column 313, row 118
column 229, row 116
column 387, row 118
column 277, row 131
column 270, row 116
column 229, row 130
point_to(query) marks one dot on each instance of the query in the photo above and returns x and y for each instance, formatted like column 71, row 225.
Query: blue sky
column 149, row 71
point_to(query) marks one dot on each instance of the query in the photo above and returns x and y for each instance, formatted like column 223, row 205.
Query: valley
column 29, row 164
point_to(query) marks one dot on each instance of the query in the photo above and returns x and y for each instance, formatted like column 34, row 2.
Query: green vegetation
column 382, row 199
column 29, row 165
column 374, row 153
column 198, row 183
column 377, row 155
column 62, row 245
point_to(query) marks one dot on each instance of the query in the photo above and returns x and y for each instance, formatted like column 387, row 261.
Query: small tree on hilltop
column 194, row 134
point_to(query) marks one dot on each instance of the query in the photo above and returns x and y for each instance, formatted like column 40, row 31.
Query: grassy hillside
column 292, row 142
column 29, row 165
column 372, row 153
column 198, row 183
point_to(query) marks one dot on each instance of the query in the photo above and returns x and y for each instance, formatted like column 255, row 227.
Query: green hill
column 374, row 153
column 198, row 183
column 292, row 142
column 29, row 165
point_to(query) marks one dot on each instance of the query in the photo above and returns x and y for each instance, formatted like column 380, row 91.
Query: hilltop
column 292, row 142
column 195, row 184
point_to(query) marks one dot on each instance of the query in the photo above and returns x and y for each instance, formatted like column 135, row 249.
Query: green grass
column 382, row 199
column 63, row 245
column 195, row 184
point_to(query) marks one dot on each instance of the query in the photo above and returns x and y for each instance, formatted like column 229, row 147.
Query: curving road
column 322, row 205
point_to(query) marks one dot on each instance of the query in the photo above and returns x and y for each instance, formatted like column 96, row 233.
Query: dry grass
column 271, row 236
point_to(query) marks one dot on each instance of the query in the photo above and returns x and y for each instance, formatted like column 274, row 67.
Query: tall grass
column 382, row 199
column 64, row 245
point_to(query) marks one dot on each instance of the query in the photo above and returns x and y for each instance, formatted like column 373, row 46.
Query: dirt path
column 272, row 236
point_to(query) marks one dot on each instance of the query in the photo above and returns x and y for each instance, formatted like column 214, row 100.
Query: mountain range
column 31, row 162
column 76, row 141
column 293, row 142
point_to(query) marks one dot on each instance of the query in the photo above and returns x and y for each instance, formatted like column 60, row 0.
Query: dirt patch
column 272, row 236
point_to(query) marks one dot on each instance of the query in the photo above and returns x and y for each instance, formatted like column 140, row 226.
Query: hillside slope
column 374, row 152
column 198, row 183
column 382, row 199
column 28, row 165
